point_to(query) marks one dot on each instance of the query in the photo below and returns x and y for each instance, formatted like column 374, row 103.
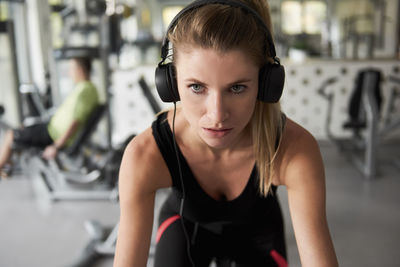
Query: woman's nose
column 216, row 108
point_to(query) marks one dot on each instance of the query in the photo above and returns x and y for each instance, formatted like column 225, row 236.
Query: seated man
column 68, row 119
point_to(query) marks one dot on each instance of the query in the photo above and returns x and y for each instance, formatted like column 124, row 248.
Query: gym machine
column 86, row 170
column 364, row 120
column 12, row 101
column 391, row 122
column 9, row 96
column 83, row 171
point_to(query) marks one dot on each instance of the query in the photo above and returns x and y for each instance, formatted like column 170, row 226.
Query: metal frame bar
column 58, row 188
column 366, row 163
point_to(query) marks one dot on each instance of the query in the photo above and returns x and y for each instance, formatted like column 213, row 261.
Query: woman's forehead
column 198, row 55
column 210, row 66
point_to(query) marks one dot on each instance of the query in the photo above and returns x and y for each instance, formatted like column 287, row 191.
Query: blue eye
column 237, row 88
column 196, row 88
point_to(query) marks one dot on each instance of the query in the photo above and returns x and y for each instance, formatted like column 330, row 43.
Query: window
column 168, row 13
column 291, row 17
column 303, row 17
column 3, row 11
column 314, row 16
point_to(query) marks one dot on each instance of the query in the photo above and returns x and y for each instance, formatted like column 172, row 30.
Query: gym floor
column 364, row 218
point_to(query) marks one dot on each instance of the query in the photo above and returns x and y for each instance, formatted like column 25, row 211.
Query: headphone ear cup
column 166, row 83
column 271, row 80
column 173, row 82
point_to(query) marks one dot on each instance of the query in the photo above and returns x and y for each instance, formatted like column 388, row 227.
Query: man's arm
column 51, row 151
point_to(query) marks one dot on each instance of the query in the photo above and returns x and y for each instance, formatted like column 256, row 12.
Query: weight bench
column 80, row 171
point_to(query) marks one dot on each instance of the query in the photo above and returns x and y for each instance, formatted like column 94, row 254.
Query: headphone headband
column 271, row 76
column 232, row 3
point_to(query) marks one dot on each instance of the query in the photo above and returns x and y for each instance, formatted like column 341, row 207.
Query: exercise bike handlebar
column 321, row 91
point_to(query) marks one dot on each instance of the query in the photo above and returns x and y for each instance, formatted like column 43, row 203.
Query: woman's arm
column 138, row 182
column 305, row 181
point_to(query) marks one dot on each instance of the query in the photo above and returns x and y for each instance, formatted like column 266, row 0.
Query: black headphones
column 271, row 76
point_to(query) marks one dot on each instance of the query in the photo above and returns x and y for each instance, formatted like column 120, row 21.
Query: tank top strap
column 164, row 139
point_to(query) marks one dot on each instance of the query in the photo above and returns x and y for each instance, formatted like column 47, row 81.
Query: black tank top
column 249, row 209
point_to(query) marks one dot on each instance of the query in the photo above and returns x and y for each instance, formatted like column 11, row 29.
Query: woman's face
column 218, row 92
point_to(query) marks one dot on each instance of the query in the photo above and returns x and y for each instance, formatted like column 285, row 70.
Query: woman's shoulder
column 143, row 165
column 299, row 153
column 142, row 144
column 296, row 136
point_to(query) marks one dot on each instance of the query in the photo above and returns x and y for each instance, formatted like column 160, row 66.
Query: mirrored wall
column 331, row 29
column 303, row 29
column 341, row 29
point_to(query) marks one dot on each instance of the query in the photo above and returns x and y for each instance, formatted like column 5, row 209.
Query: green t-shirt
column 77, row 106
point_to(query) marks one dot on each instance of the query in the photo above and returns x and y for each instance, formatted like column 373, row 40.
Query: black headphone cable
column 183, row 190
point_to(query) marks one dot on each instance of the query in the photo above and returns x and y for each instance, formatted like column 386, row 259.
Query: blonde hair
column 224, row 28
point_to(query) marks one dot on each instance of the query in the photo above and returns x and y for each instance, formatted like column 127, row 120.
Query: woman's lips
column 214, row 132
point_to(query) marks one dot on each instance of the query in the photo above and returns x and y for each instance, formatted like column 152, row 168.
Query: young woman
column 224, row 153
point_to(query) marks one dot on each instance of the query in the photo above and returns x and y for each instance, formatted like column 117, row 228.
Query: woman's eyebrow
column 194, row 80
column 240, row 81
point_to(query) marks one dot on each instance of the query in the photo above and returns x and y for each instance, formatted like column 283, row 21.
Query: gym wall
column 300, row 100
